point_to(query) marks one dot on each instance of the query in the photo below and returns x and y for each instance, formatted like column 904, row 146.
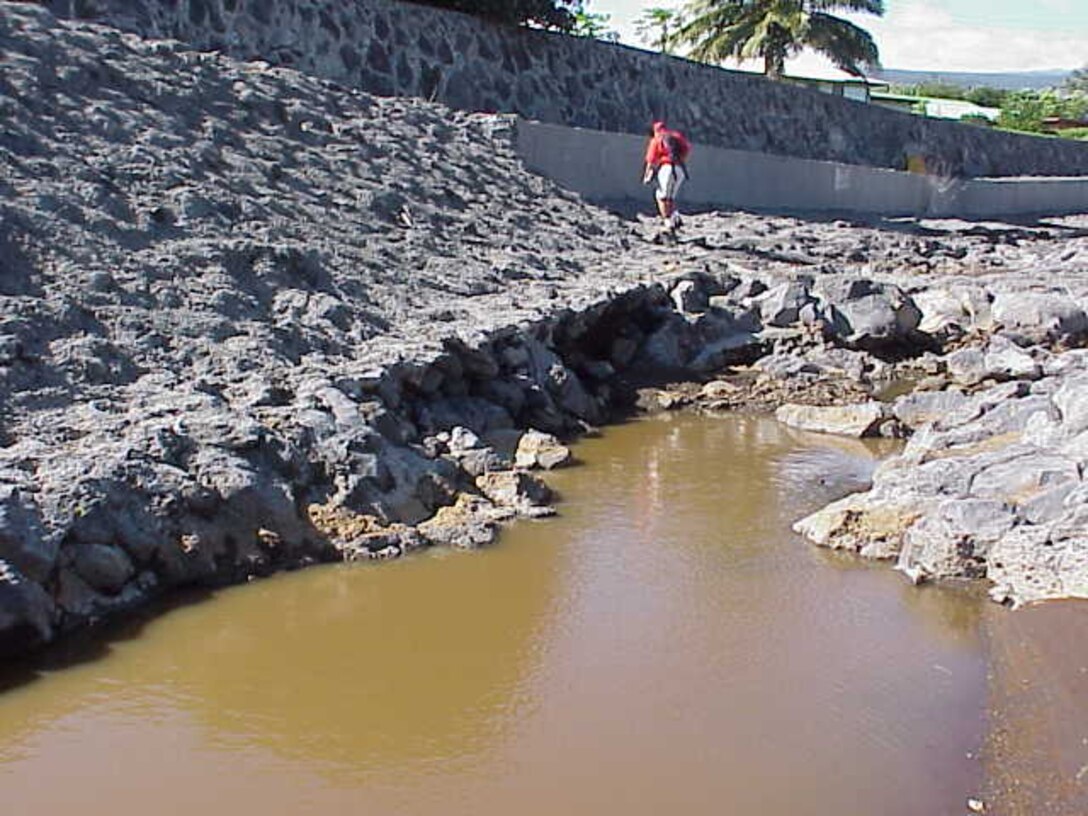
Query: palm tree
column 592, row 25
column 777, row 29
column 655, row 27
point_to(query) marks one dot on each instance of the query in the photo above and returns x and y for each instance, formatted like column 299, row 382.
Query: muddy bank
column 1036, row 756
column 253, row 320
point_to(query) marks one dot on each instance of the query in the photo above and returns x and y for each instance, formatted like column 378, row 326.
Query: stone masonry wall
column 396, row 48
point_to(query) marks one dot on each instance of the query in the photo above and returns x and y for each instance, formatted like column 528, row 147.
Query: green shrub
column 1074, row 133
column 1026, row 110
column 940, row 90
column 987, row 97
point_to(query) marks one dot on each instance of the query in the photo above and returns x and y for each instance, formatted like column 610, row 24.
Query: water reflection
column 355, row 670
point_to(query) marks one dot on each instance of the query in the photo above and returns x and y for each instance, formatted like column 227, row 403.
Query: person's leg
column 664, row 195
column 679, row 177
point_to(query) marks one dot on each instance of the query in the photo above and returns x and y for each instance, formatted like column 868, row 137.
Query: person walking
column 666, row 157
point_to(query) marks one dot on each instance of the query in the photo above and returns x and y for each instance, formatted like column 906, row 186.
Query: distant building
column 1055, row 124
column 935, row 107
column 817, row 72
column 899, row 102
column 831, row 80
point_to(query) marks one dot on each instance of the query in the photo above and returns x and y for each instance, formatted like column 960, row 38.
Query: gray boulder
column 1038, row 317
column 1050, row 505
column 1068, row 363
column 950, row 312
column 689, row 297
column 521, row 492
column 864, row 523
column 865, row 312
column 725, row 336
column 954, row 539
column 1071, row 400
column 471, row 522
column 572, row 396
column 781, row 305
column 482, row 460
column 923, row 407
column 1007, row 361
column 540, row 450
column 473, row 412
column 1031, row 564
column 723, row 351
column 26, row 613
column 462, row 440
column 106, row 569
column 668, row 346
column 999, row 360
column 1024, row 477
column 861, row 420
column 25, row 543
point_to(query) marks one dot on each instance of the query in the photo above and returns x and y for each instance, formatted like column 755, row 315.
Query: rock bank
column 253, row 320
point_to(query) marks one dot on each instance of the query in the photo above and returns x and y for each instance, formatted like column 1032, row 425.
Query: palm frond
column 845, row 44
column 775, row 29
column 868, row 6
column 720, row 31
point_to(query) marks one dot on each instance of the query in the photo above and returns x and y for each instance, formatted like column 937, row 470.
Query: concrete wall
column 394, row 48
column 608, row 167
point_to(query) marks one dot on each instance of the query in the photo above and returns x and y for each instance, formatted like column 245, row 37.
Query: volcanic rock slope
column 194, row 251
column 250, row 320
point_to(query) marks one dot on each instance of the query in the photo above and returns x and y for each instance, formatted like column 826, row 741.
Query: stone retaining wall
column 394, row 48
column 604, row 167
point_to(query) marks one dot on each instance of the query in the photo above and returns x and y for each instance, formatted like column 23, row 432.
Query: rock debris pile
column 252, row 320
column 232, row 294
column 989, row 484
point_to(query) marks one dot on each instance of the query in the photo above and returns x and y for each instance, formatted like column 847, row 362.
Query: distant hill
column 1011, row 81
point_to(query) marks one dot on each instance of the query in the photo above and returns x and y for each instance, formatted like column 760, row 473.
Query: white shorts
column 669, row 179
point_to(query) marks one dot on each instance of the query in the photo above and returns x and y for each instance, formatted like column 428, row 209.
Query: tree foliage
column 981, row 95
column 590, row 24
column 940, row 90
column 555, row 14
column 987, row 97
column 656, row 27
column 1027, row 110
column 1077, row 81
column 776, row 29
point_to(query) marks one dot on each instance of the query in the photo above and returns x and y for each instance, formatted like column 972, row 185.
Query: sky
column 944, row 35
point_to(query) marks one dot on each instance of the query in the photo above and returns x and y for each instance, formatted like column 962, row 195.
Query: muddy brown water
column 666, row 646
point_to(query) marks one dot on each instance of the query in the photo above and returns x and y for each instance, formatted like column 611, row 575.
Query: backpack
column 674, row 148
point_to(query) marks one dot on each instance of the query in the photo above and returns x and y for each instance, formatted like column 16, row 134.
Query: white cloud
column 924, row 36
column 625, row 13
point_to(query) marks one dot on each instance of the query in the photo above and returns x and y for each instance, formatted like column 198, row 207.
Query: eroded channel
column 665, row 645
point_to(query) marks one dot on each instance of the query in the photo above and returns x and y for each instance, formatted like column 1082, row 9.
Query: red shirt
column 656, row 153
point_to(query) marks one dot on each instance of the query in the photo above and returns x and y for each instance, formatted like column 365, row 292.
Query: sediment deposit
column 253, row 320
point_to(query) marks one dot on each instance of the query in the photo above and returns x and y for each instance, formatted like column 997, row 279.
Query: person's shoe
column 676, row 221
